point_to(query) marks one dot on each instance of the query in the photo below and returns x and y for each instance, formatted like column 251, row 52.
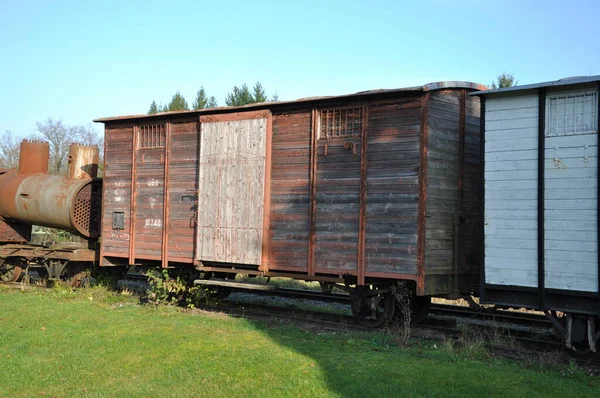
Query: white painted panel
column 570, row 281
column 511, row 165
column 501, row 127
column 529, row 154
column 517, row 144
column 513, row 194
column 511, row 191
column 510, row 175
column 517, row 103
column 522, row 113
column 511, row 277
column 571, row 236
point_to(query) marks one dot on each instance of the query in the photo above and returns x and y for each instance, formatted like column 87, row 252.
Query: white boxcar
column 540, row 231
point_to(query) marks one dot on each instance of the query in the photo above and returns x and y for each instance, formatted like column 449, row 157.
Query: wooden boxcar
column 541, row 201
column 361, row 189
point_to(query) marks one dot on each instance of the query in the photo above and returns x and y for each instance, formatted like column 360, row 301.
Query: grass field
column 97, row 344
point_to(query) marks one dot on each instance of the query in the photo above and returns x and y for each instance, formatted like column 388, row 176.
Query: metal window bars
column 571, row 113
column 340, row 123
column 151, row 136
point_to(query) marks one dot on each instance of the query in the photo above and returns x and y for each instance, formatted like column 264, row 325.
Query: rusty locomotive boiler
column 30, row 196
column 360, row 191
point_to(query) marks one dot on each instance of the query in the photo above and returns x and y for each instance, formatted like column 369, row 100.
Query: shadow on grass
column 375, row 365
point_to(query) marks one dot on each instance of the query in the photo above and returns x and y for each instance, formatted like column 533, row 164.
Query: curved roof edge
column 426, row 87
column 568, row 81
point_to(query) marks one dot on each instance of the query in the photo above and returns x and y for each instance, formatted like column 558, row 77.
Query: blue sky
column 80, row 60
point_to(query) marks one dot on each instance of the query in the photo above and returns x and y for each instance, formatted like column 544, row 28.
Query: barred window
column 151, row 136
column 571, row 113
column 340, row 123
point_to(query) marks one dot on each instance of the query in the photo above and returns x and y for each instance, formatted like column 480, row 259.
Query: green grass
column 96, row 344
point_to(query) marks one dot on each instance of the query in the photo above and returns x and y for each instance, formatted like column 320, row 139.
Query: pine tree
column 202, row 101
column 504, row 80
column 153, row 108
column 212, row 102
column 258, row 93
column 178, row 103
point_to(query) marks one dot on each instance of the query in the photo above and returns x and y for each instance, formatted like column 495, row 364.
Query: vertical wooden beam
column 421, row 222
column 101, row 243
column 362, row 222
column 314, row 143
column 457, row 220
column 134, row 139
column 541, row 197
column 266, row 238
column 166, row 199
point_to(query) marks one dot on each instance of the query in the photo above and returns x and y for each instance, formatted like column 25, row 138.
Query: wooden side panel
column 290, row 192
column 470, row 261
column 183, row 188
column 571, row 209
column 231, row 199
column 392, row 187
column 117, row 188
column 511, row 191
column 337, row 205
column 149, row 201
column 443, row 188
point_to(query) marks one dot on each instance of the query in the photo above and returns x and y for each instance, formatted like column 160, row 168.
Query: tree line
column 238, row 96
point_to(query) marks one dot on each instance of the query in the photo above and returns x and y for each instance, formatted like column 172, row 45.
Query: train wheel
column 420, row 307
column 10, row 270
column 372, row 307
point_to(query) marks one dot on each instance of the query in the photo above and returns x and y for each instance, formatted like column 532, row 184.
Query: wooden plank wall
column 231, row 199
column 392, row 186
column 470, row 266
column 149, row 202
column 117, row 187
column 443, row 194
column 511, row 157
column 337, row 205
column 183, row 188
column 571, row 207
column 290, row 192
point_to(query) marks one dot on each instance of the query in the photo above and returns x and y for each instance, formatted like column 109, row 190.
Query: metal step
column 236, row 284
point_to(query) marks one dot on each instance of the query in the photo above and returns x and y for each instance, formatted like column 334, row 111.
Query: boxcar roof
column 277, row 104
column 567, row 81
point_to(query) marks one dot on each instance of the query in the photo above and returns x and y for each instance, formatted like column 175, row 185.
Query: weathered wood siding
column 116, row 185
column 231, row 185
column 290, row 192
column 571, row 209
column 443, row 190
column 149, row 201
column 393, row 133
column 183, row 185
column 470, row 271
column 511, row 156
column 337, row 205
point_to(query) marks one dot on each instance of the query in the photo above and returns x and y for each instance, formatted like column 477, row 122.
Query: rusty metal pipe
column 28, row 194
column 52, row 201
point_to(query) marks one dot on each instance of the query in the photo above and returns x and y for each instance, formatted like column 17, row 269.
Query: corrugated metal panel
column 231, row 182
